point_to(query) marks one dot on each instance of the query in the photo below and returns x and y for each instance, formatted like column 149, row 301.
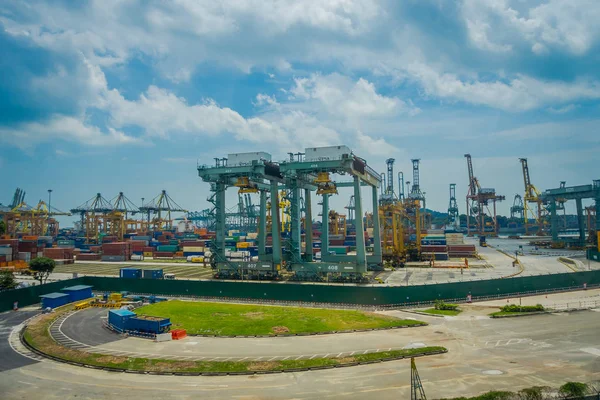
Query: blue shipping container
column 54, row 300
column 153, row 274
column 134, row 273
column 148, row 324
column 78, row 292
column 118, row 318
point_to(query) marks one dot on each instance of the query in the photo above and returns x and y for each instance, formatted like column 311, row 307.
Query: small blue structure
column 135, row 273
column 78, row 292
column 54, row 300
column 153, row 274
column 118, row 318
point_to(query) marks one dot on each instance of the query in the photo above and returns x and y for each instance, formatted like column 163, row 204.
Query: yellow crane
column 532, row 196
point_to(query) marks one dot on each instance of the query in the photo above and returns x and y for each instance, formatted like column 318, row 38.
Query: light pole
column 49, row 202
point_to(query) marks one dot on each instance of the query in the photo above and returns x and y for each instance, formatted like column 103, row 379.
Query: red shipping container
column 89, row 257
column 163, row 254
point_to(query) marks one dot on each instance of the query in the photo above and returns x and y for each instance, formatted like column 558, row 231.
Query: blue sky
column 110, row 96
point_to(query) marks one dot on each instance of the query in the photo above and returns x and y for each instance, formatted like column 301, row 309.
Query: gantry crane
column 453, row 216
column 92, row 215
column 532, row 196
column 119, row 220
column 478, row 200
column 418, row 196
column 517, row 210
column 158, row 212
column 391, row 216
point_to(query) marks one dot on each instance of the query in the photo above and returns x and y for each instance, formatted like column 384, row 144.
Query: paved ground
column 8, row 358
column 484, row 354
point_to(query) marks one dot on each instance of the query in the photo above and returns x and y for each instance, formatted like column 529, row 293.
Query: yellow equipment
column 324, row 184
column 244, row 185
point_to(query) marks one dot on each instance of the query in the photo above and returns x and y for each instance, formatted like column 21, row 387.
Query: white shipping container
column 239, row 159
column 326, row 153
column 9, row 257
column 25, row 256
column 189, row 249
column 5, row 250
column 137, row 257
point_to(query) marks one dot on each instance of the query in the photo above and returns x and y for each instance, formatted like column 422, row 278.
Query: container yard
column 280, row 237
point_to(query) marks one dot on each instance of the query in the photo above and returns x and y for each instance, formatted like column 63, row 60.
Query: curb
column 313, row 333
column 284, row 370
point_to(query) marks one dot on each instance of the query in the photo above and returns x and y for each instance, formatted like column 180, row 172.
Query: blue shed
column 54, row 300
column 78, row 292
column 118, row 318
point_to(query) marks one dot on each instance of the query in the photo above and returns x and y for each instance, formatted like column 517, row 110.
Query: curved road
column 483, row 354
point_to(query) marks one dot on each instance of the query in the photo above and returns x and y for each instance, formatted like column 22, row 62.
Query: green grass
column 505, row 313
column 37, row 335
column 200, row 318
column 441, row 312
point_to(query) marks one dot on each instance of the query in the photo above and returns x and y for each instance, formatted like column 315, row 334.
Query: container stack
column 117, row 251
column 62, row 255
column 195, row 248
column 89, row 257
column 462, row 250
column 10, row 249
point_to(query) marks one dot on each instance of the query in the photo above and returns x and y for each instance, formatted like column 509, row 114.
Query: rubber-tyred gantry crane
column 478, row 200
column 532, row 196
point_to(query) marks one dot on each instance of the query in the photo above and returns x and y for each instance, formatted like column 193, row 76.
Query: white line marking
column 299, row 357
column 313, row 356
column 339, row 355
column 591, row 350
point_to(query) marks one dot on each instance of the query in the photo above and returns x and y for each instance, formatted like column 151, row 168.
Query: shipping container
column 153, row 274
column 134, row 273
column 54, row 300
column 78, row 292
column 110, row 258
column 148, row 324
column 118, row 318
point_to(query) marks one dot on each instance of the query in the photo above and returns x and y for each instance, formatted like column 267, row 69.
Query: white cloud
column 496, row 26
column 375, row 147
column 563, row 110
column 342, row 97
column 66, row 128
column 519, row 94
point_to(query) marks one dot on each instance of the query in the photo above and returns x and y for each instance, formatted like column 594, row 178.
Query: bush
column 534, row 393
column 440, row 305
column 517, row 308
column 573, row 389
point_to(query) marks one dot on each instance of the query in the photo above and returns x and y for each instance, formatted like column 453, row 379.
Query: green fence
column 285, row 291
column 31, row 295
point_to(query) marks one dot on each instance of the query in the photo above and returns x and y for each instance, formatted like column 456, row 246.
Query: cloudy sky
column 108, row 96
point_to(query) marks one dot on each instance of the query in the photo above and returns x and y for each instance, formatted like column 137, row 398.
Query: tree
column 2, row 228
column 42, row 267
column 7, row 281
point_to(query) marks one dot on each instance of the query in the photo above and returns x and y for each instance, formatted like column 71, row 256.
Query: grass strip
column 441, row 312
column 223, row 319
column 509, row 313
column 37, row 335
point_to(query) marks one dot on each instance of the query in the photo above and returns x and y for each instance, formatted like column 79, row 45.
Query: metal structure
column 416, row 195
column 401, row 186
column 391, row 217
column 158, row 212
column 416, row 387
column 577, row 193
column 453, row 215
column 532, row 196
column 302, row 173
column 92, row 214
column 517, row 210
column 478, row 200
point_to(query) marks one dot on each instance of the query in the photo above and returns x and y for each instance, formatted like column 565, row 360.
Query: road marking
column 339, row 355
column 281, row 359
column 272, row 358
column 591, row 350
column 299, row 357
column 366, row 351
column 26, row 383
column 352, row 353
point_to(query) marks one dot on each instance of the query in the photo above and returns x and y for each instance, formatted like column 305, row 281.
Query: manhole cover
column 493, row 372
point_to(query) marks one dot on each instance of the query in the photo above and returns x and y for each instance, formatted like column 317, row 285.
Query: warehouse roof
column 77, row 287
column 53, row 295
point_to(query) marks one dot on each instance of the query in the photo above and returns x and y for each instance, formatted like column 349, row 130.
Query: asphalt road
column 9, row 359
column 86, row 327
column 484, row 354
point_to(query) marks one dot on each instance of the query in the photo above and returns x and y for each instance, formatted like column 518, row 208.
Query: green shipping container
column 168, row 248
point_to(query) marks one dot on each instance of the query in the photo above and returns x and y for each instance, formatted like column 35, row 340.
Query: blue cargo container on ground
column 153, row 274
column 118, row 318
column 148, row 324
column 78, row 292
column 134, row 273
column 54, row 300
